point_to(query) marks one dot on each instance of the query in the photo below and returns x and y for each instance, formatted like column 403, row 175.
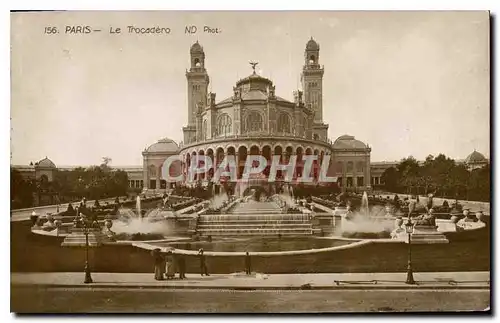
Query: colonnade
column 240, row 154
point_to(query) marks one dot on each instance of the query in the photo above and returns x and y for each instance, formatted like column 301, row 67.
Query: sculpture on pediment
column 237, row 93
column 300, row 96
column 272, row 91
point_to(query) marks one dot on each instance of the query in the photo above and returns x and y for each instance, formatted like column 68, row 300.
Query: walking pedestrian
column 248, row 264
column 203, row 264
column 181, row 262
column 169, row 266
column 158, row 263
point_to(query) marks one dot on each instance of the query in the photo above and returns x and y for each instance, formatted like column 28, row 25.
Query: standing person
column 203, row 264
column 248, row 264
column 181, row 262
column 169, row 266
column 158, row 262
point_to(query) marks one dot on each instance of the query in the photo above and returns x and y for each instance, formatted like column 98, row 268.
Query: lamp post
column 34, row 217
column 86, row 228
column 409, row 273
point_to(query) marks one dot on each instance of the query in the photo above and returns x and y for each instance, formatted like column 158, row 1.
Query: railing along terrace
column 282, row 135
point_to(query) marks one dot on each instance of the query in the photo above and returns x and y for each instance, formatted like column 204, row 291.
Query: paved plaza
column 444, row 280
column 147, row 300
column 257, row 293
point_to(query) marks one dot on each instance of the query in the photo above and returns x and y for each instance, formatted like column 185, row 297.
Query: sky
column 406, row 83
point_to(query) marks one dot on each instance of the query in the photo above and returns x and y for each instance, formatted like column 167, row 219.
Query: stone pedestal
column 422, row 234
column 426, row 234
column 77, row 238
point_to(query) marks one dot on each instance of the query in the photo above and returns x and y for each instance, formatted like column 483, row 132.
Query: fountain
column 364, row 223
column 364, row 205
column 218, row 202
column 136, row 226
column 287, row 197
column 425, row 228
column 138, row 206
column 264, row 227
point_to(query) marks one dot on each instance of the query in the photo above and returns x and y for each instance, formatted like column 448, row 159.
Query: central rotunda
column 255, row 120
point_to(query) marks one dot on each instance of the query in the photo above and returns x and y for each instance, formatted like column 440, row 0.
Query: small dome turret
column 312, row 45
column 45, row 163
column 348, row 142
column 164, row 145
column 196, row 48
column 475, row 157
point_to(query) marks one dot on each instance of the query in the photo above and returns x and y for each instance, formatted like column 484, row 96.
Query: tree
column 440, row 175
column 427, row 175
column 105, row 164
column 457, row 181
column 21, row 191
column 479, row 184
column 390, row 177
column 95, row 182
column 441, row 170
column 409, row 172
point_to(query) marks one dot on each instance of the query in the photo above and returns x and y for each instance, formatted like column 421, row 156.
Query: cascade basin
column 256, row 244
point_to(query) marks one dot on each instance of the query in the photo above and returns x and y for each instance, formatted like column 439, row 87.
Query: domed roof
column 45, row 163
column 164, row 145
column 475, row 157
column 196, row 48
column 254, row 77
column 312, row 45
column 348, row 142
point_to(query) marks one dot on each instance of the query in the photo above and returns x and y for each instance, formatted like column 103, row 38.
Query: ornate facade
column 255, row 120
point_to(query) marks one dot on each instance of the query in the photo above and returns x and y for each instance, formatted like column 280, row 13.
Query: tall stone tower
column 312, row 85
column 197, row 81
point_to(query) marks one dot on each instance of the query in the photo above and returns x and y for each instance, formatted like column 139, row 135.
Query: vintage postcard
column 249, row 162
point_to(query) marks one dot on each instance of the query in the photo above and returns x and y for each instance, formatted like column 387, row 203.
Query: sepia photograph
column 250, row 162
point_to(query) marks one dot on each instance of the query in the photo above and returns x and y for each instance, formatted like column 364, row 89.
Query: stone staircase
column 254, row 219
column 268, row 211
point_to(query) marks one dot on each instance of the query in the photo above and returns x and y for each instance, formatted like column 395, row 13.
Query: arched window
column 316, row 137
column 254, row 122
column 360, row 167
column 312, row 59
column 204, row 129
column 284, row 123
column 350, row 166
column 224, row 125
column 339, row 168
column 152, row 171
